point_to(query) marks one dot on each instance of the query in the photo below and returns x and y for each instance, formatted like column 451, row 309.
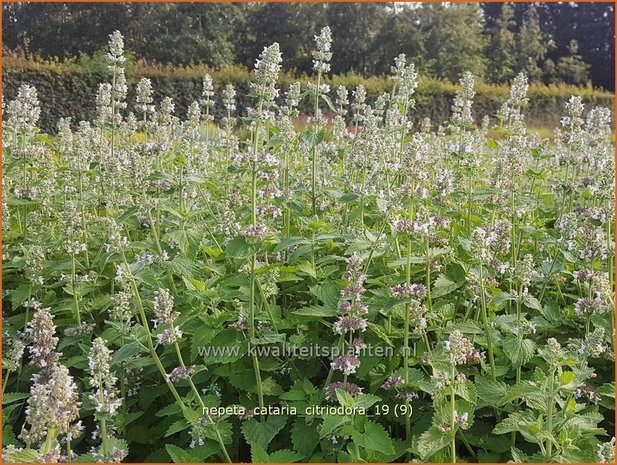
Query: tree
column 592, row 25
column 62, row 29
column 532, row 45
column 399, row 34
column 572, row 69
column 182, row 33
column 292, row 25
column 453, row 39
column 502, row 47
column 355, row 28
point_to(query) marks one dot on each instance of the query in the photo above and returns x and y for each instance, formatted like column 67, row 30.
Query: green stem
column 549, row 415
column 489, row 342
column 74, row 287
column 5, row 381
column 104, row 439
column 314, row 148
column 452, row 412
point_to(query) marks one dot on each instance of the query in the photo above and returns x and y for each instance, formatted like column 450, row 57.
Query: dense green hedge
column 66, row 89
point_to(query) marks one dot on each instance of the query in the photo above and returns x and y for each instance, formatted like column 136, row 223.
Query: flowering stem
column 157, row 360
column 260, row 395
column 489, row 342
column 406, row 339
column 452, row 412
column 5, row 381
column 611, row 280
column 113, row 127
column 144, row 322
column 429, row 302
column 47, row 446
column 201, row 403
column 159, row 249
column 104, row 440
column 469, row 196
column 549, row 414
column 24, row 229
column 314, row 148
column 73, row 287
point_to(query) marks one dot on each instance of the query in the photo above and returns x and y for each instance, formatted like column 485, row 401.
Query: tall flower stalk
column 321, row 64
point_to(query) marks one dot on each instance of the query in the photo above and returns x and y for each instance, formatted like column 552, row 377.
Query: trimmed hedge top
column 69, row 88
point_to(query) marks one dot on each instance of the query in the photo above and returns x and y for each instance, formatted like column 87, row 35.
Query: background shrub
column 68, row 88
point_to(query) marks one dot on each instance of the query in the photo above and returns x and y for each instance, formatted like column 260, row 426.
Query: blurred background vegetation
column 571, row 43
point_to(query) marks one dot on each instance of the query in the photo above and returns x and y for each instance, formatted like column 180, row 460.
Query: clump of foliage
column 157, row 268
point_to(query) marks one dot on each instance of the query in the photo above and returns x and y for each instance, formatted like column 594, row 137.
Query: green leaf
column 490, row 391
column 519, row 351
column 126, row 352
column 519, row 456
column 365, row 401
column 21, row 456
column 348, row 198
column 206, row 450
column 179, row 455
column 467, row 390
column 262, row 432
column 330, row 423
column 238, row 248
column 304, row 437
column 533, row 303
column 374, row 438
column 177, row 426
column 284, row 456
column 500, row 299
column 431, row 442
column 328, row 293
column 443, row 286
column 181, row 266
column 11, row 397
column 566, row 377
column 259, row 454
column 318, row 311
column 21, row 293
column 524, row 389
column 514, row 422
column 288, row 242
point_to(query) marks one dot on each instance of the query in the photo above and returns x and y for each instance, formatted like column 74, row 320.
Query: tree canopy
column 551, row 42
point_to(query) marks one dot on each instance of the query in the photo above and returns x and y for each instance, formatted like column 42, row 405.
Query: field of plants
column 347, row 285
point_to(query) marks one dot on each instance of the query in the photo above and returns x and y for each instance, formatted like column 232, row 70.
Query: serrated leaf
column 304, row 437
column 374, row 438
column 262, row 432
column 566, row 377
column 523, row 390
column 179, row 455
column 238, row 248
column 519, row 351
column 501, row 298
column 365, row 401
column 533, row 303
column 259, row 454
column 490, row 391
column 284, row 456
column 126, row 352
column 176, row 427
column 21, row 456
column 11, row 397
column 330, row 423
column 317, row 311
column 467, row 390
column 431, row 442
column 443, row 286
column 519, row 456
